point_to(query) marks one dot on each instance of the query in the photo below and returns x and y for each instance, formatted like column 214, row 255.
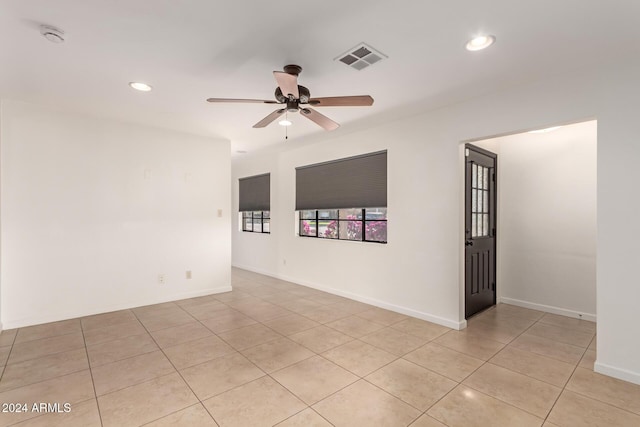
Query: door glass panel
column 485, row 224
column 485, row 179
column 474, row 200
column 485, row 200
column 474, row 173
column 473, row 225
column 480, row 194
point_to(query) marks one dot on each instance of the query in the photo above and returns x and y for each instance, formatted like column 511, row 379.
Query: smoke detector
column 52, row 34
column 361, row 56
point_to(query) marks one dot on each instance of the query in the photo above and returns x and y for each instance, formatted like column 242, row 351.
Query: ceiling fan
column 296, row 98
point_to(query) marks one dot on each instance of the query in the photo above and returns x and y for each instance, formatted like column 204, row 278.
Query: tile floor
column 275, row 353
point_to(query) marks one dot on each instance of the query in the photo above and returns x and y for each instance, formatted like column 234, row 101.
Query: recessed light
column 143, row 87
column 480, row 42
column 285, row 122
column 551, row 129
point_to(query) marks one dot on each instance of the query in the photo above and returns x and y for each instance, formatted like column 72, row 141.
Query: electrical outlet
column 188, row 274
column 161, row 279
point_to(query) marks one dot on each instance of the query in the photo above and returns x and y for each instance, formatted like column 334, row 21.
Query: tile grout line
column 93, row 383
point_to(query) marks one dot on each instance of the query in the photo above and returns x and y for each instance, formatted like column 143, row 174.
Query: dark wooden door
column 480, row 229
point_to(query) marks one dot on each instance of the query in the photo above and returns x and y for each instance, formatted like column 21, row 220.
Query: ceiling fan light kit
column 296, row 98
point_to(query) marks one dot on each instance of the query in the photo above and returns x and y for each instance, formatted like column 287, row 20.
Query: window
column 257, row 222
column 326, row 194
column 254, row 203
column 359, row 224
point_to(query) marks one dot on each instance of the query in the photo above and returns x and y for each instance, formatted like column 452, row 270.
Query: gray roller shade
column 354, row 182
column 255, row 193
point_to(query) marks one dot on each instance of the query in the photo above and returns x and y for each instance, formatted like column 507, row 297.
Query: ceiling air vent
column 361, row 56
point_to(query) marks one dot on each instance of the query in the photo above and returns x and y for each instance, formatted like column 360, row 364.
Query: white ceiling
column 190, row 50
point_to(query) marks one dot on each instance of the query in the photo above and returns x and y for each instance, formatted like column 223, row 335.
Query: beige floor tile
column 306, row 418
column 180, row 334
column 235, row 295
column 112, row 351
column 411, row 383
column 44, row 368
column 540, row 367
column 228, row 320
column 355, row 326
column 588, row 360
column 197, row 351
column 277, row 354
column 249, row 336
column 83, row 414
column 262, row 402
column 573, row 409
column 206, row 311
column 72, row 388
column 145, row 402
column 107, row 319
column 465, row 407
column 265, row 313
column 394, row 341
column 444, row 361
column 164, row 309
column 320, row 339
column 594, row 343
column 427, row 421
column 503, row 332
column 464, row 342
column 420, row 328
column 569, row 323
column 564, row 352
column 521, row 312
column 43, row 347
column 134, row 370
column 561, row 334
column 353, row 307
column 314, row 379
column 606, row 389
column 326, row 314
column 8, row 337
column 359, row 357
column 111, row 333
column 363, row 404
column 195, row 301
column 382, row 316
column 156, row 323
column 48, row 330
column 4, row 354
column 521, row 391
column 219, row 375
column 193, row 416
column 289, row 325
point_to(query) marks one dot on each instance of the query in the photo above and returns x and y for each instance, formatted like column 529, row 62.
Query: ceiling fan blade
column 320, row 119
column 258, row 101
column 271, row 117
column 288, row 83
column 342, row 101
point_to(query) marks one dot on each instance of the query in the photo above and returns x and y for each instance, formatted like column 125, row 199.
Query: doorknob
column 468, row 243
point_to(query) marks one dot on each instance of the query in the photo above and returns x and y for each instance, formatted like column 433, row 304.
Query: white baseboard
column 56, row 317
column 549, row 309
column 256, row 270
column 621, row 374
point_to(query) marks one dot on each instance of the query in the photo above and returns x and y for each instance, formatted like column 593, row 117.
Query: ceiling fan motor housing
column 305, row 95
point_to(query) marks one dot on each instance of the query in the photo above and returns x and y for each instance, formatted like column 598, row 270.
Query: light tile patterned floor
column 275, row 353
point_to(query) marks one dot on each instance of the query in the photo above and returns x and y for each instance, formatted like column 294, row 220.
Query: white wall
column 94, row 210
column 547, row 219
column 421, row 269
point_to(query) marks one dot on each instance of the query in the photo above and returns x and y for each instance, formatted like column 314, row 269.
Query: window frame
column 362, row 220
column 245, row 215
